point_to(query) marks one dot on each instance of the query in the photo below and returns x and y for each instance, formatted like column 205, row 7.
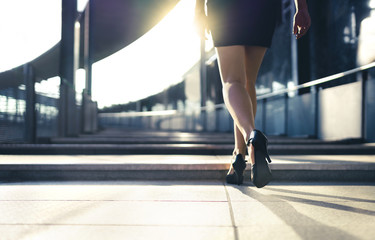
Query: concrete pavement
column 186, row 210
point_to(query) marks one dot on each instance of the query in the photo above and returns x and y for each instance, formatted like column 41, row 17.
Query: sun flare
column 152, row 63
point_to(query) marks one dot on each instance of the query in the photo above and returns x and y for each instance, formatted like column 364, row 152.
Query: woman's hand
column 301, row 23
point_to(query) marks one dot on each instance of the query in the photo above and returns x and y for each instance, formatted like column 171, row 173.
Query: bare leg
column 239, row 66
column 254, row 58
column 239, row 142
column 233, row 75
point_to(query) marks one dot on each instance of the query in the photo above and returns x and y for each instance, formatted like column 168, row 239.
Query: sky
column 27, row 29
column 147, row 66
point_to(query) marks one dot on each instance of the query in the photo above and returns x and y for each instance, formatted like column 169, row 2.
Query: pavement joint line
column 111, row 225
column 104, row 200
column 237, row 201
column 235, row 229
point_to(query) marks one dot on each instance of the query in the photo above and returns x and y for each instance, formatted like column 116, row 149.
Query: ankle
column 247, row 137
column 237, row 151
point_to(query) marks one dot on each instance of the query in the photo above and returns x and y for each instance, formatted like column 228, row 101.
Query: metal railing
column 316, row 82
column 28, row 114
column 216, row 117
column 282, row 96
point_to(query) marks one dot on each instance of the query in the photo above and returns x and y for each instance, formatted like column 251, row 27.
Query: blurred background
column 73, row 67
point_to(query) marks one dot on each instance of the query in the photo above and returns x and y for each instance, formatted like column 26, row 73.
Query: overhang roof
column 115, row 24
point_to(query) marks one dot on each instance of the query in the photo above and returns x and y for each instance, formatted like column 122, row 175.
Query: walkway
column 186, row 210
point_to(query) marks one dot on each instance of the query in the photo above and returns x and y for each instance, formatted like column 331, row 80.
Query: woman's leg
column 254, row 58
column 239, row 142
column 233, row 75
column 239, row 87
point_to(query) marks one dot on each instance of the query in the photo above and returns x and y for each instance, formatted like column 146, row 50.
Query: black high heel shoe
column 239, row 166
column 261, row 173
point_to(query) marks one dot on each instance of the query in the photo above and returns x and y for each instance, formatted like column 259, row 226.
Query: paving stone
column 116, row 212
column 304, row 212
column 289, row 220
column 115, row 191
column 100, row 232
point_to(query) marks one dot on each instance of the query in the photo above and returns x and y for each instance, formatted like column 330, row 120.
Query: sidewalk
column 186, row 210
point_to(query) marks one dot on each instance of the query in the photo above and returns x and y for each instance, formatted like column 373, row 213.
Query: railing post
column 30, row 118
column 286, row 113
column 6, row 113
column 315, row 94
column 85, row 113
column 264, row 115
column 16, row 97
column 364, row 78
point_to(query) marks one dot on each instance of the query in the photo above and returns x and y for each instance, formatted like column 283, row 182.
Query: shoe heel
column 261, row 173
column 239, row 166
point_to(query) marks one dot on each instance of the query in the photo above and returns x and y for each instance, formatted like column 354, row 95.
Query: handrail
column 316, row 82
column 140, row 114
column 261, row 97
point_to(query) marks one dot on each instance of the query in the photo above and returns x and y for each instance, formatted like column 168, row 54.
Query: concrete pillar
column 30, row 116
column 86, row 126
column 88, row 46
column 203, row 82
column 203, row 73
column 68, row 125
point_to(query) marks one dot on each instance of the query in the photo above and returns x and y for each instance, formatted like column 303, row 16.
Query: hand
column 301, row 23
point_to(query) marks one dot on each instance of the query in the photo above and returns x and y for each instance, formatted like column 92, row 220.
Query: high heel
column 261, row 174
column 239, row 166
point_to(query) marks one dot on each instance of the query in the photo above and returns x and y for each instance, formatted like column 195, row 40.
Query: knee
column 232, row 86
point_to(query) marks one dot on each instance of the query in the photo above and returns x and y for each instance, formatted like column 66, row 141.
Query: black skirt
column 243, row 22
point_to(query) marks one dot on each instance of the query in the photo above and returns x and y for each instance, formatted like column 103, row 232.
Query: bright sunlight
column 152, row 63
column 27, row 29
